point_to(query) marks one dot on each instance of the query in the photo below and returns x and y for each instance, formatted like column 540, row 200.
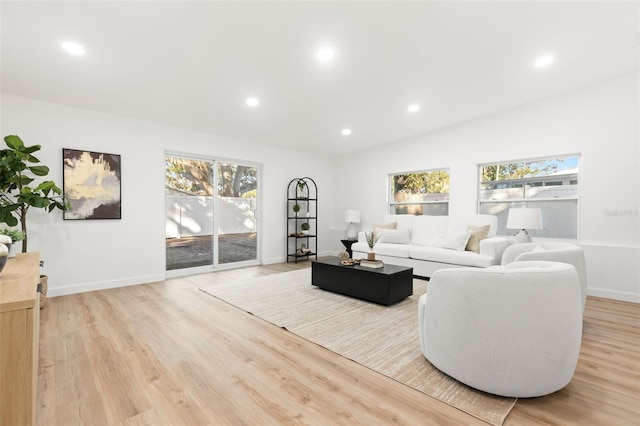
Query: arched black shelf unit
column 302, row 221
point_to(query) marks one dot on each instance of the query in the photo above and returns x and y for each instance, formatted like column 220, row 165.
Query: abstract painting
column 91, row 184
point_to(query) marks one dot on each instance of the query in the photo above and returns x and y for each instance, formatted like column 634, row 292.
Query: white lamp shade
column 524, row 218
column 352, row 216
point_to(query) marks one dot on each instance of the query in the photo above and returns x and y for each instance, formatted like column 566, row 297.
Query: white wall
column 601, row 122
column 94, row 254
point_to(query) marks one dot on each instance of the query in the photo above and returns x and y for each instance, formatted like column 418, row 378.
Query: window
column 550, row 184
column 419, row 193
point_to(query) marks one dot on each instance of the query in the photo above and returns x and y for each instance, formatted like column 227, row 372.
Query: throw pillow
column 477, row 233
column 397, row 236
column 390, row 225
column 451, row 240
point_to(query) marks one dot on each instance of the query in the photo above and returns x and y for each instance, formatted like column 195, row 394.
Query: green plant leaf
column 7, row 217
column 38, row 202
column 32, row 159
column 24, row 180
column 47, row 186
column 14, row 142
column 32, row 149
column 39, row 170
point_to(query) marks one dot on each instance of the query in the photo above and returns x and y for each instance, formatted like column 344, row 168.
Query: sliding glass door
column 189, row 199
column 211, row 213
column 237, row 228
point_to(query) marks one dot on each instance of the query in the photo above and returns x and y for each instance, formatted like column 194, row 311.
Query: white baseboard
column 103, row 285
column 274, row 260
column 615, row 295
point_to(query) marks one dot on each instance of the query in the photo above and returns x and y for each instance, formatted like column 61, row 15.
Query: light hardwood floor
column 167, row 354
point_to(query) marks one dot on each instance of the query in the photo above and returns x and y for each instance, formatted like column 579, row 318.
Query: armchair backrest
column 554, row 252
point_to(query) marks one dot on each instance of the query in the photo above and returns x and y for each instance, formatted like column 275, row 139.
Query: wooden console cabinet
column 19, row 328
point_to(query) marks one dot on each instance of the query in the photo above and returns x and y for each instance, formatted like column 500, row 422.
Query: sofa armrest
column 361, row 237
column 494, row 247
column 516, row 250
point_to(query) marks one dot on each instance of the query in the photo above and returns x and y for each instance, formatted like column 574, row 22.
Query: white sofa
column 430, row 243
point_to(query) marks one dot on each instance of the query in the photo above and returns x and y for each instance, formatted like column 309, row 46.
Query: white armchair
column 511, row 330
column 553, row 252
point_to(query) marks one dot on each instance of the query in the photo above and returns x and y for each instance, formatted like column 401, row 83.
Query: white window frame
column 392, row 204
column 527, row 200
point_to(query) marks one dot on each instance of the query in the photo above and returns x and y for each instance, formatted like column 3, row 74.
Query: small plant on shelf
column 302, row 186
column 305, row 227
column 296, row 208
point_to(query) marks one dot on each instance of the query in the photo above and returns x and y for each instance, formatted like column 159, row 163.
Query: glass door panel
column 189, row 191
column 237, row 206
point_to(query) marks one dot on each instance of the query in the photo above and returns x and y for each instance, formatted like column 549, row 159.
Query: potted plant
column 300, row 191
column 372, row 239
column 18, row 166
column 15, row 235
column 296, row 208
column 305, row 227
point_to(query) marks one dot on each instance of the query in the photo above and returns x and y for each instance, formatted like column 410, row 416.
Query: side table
column 348, row 244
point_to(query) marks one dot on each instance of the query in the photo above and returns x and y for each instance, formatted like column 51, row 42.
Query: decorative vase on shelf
column 302, row 190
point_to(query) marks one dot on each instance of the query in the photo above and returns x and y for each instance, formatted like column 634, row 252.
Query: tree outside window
column 420, row 193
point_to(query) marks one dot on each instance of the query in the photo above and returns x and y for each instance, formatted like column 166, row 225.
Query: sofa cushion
column 477, row 233
column 450, row 240
column 427, row 227
column 385, row 249
column 397, row 236
column 401, row 220
column 388, row 225
column 453, row 257
column 461, row 223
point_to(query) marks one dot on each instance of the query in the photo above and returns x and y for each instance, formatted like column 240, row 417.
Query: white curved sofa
column 511, row 330
column 429, row 243
column 554, row 252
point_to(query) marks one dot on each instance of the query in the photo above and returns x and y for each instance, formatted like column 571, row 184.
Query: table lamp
column 524, row 218
column 352, row 216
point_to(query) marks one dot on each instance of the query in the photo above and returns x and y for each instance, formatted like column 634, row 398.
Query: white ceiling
column 193, row 64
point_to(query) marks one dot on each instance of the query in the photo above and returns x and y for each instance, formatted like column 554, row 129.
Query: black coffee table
column 385, row 286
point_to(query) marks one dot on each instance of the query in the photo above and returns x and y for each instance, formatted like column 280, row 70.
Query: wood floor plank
column 168, row 354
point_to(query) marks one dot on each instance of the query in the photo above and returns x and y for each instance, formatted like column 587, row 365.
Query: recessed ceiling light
column 543, row 61
column 326, row 54
column 346, row 132
column 413, row 108
column 73, row 48
column 252, row 102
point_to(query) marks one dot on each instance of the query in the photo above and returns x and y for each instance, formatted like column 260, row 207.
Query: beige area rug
column 382, row 338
